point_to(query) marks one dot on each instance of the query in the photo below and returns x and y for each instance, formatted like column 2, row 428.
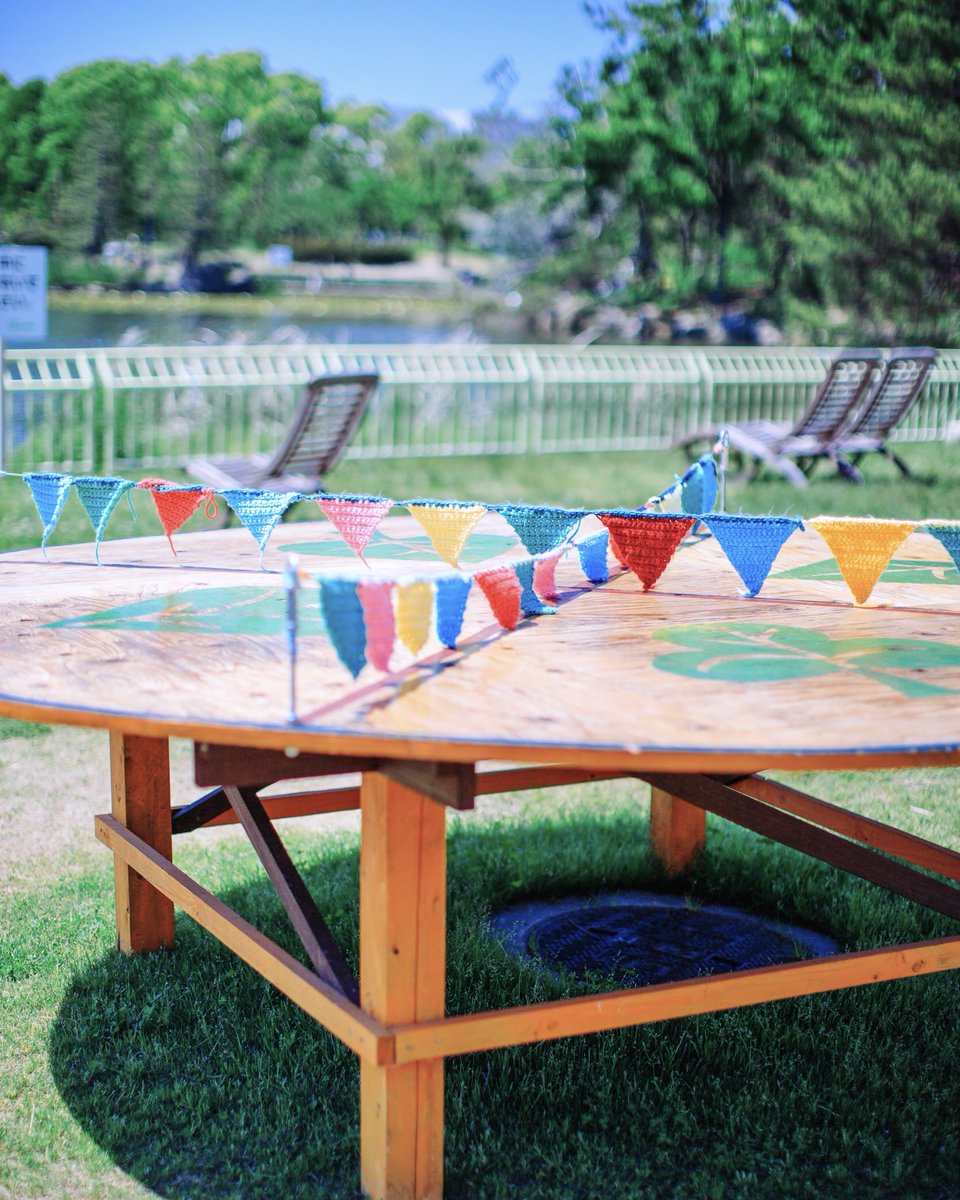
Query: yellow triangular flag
column 414, row 613
column 862, row 547
column 448, row 526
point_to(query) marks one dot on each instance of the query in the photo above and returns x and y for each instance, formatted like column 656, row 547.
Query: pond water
column 69, row 329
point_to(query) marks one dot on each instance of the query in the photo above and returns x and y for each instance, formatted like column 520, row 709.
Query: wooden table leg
column 402, row 979
column 678, row 830
column 140, row 773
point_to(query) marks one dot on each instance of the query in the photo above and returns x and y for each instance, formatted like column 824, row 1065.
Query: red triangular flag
column 645, row 542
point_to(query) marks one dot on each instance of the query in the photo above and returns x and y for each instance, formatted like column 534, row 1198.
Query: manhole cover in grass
column 638, row 938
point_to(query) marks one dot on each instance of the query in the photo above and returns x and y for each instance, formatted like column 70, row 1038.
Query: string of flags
column 366, row 617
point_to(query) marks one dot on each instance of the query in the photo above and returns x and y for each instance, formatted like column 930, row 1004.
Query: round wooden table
column 689, row 687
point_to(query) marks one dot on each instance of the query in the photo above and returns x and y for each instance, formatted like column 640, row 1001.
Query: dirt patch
column 51, row 787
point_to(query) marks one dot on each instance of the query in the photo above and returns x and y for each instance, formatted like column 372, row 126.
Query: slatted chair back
column 839, row 395
column 901, row 381
column 322, row 426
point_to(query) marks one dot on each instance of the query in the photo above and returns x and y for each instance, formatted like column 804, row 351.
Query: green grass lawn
column 591, row 480
column 184, row 1075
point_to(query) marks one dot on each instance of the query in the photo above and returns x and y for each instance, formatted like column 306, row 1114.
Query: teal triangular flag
column 698, row 486
column 708, row 476
column 451, row 603
column 593, row 557
column 751, row 543
column 99, row 496
column 530, row 602
column 260, row 511
column 541, row 529
column 948, row 535
column 49, row 491
column 342, row 614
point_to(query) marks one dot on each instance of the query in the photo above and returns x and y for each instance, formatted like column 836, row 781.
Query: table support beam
column 402, row 979
column 678, row 830
column 849, row 856
column 140, row 775
column 321, row 946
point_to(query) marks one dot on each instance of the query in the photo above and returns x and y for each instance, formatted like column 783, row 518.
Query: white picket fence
column 146, row 407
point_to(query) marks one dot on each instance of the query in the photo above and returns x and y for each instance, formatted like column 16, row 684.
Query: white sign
column 23, row 292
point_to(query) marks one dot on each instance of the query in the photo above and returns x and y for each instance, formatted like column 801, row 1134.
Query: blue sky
column 405, row 53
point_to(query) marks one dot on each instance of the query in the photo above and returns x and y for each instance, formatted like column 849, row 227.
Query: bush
column 331, row 250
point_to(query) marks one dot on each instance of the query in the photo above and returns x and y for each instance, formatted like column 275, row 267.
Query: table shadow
column 199, row 1079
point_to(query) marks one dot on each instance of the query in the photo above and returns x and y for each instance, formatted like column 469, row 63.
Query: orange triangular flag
column 175, row 503
column 502, row 589
column 862, row 547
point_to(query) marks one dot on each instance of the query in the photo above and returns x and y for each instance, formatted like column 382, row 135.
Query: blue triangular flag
column 751, row 543
column 260, row 511
column 49, row 491
column 343, row 620
column 99, row 496
column 530, row 602
column 541, row 529
column 451, row 603
column 593, row 557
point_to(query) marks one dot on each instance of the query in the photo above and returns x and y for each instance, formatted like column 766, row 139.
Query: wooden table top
column 688, row 676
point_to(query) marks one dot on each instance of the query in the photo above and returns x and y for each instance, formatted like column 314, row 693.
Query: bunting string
column 643, row 539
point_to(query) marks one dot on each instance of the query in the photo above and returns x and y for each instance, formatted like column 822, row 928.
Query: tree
column 434, row 179
column 21, row 176
column 877, row 226
column 693, row 107
column 93, row 140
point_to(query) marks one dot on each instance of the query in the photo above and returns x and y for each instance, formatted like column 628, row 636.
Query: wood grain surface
column 614, row 678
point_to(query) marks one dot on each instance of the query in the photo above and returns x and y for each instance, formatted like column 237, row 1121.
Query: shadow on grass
column 199, row 1080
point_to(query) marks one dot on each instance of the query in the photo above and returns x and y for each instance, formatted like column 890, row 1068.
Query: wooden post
column 140, row 772
column 402, row 979
column 678, row 830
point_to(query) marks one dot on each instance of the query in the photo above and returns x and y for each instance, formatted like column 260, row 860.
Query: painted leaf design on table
column 897, row 570
column 242, row 611
column 753, row 652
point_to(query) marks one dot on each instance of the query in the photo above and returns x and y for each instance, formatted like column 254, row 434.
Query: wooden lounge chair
column 901, row 381
column 793, row 450
column 321, row 428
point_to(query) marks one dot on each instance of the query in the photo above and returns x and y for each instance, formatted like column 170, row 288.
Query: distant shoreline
column 332, row 303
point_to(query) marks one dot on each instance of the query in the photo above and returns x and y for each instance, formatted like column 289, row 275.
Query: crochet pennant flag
column 50, row 491
column 593, row 557
column 751, row 543
column 260, row 511
column 698, row 486
column 530, row 602
column 414, row 613
column 355, row 517
column 669, row 501
column 342, row 615
column 447, row 524
column 176, row 503
column 540, row 529
column 99, row 496
column 947, row 534
column 545, row 574
column 502, row 589
column 862, row 547
column 452, row 593
column 376, row 600
column 645, row 542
